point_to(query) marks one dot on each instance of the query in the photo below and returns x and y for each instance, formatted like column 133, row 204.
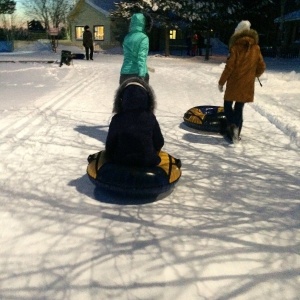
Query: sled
column 78, row 56
column 206, row 118
column 30, row 61
column 132, row 180
column 67, row 57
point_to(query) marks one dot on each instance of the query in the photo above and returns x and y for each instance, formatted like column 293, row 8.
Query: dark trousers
column 194, row 50
column 234, row 113
column 124, row 77
column 89, row 51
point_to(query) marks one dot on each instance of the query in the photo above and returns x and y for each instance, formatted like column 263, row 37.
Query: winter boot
column 235, row 134
column 228, row 134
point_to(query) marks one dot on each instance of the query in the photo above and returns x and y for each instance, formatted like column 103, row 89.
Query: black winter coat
column 134, row 136
column 87, row 39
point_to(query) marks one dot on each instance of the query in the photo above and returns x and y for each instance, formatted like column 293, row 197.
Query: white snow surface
column 229, row 229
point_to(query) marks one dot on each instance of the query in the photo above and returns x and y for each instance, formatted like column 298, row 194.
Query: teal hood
column 137, row 23
column 136, row 48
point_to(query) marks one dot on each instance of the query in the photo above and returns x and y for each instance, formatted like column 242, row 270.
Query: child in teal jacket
column 136, row 48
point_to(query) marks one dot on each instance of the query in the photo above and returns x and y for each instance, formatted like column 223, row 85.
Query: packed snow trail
column 229, row 230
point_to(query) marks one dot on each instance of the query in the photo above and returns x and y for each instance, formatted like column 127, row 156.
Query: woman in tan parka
column 243, row 65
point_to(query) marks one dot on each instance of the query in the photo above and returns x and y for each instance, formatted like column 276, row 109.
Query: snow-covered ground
column 230, row 228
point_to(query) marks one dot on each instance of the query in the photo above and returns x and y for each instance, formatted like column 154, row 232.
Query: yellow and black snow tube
column 131, row 180
column 206, row 117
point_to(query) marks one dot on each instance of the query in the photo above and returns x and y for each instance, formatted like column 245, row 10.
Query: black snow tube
column 130, row 180
column 206, row 117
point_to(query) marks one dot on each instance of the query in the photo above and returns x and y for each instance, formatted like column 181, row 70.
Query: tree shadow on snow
column 201, row 136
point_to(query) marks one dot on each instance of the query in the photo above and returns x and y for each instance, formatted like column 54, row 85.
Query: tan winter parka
column 243, row 65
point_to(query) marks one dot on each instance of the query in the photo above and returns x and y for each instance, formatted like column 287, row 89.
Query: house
column 289, row 28
column 108, row 32
column 95, row 14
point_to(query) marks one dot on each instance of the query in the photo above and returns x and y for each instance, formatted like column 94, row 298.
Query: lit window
column 79, row 32
column 173, row 34
column 99, row 33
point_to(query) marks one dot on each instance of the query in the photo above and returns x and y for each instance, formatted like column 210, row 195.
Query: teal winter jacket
column 136, row 47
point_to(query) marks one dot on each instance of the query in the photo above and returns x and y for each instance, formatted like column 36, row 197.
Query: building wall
column 83, row 15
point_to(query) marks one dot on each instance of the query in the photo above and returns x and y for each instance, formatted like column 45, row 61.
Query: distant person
column 88, row 43
column 136, row 48
column 201, row 44
column 244, row 64
column 189, row 44
column 134, row 137
column 194, row 44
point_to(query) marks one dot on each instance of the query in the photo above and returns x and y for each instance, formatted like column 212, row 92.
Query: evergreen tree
column 7, row 6
column 219, row 16
column 211, row 17
column 165, row 14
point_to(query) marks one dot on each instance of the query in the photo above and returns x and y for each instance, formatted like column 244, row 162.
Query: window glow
column 79, row 32
column 173, row 34
column 98, row 33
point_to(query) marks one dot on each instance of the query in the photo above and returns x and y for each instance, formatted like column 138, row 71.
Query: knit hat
column 243, row 25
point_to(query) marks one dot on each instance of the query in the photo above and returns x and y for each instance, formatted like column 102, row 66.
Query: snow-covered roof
column 293, row 16
column 104, row 6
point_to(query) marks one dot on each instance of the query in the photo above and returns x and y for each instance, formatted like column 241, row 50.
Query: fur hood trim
column 247, row 36
column 118, row 107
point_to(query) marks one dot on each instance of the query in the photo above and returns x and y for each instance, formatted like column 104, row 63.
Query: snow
column 229, row 229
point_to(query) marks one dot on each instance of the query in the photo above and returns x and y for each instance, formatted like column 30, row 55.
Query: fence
column 6, row 46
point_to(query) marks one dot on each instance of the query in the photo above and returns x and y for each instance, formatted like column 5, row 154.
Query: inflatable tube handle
column 197, row 116
column 170, row 167
column 97, row 162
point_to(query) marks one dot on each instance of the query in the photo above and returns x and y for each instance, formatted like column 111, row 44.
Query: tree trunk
column 167, row 41
column 207, row 48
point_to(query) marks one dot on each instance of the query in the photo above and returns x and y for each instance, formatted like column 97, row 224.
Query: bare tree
column 59, row 10
column 51, row 13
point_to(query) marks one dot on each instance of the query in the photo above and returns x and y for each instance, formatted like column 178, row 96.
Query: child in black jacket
column 134, row 136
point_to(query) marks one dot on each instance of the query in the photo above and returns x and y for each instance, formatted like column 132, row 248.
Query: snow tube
column 206, row 117
column 67, row 56
column 78, row 56
column 131, row 180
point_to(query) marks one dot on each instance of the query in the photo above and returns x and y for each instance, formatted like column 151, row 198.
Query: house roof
column 105, row 6
column 293, row 16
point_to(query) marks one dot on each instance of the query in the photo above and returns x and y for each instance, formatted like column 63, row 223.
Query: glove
column 220, row 88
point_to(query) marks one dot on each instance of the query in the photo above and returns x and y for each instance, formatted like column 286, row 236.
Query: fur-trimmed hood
column 134, row 94
column 246, row 37
column 244, row 63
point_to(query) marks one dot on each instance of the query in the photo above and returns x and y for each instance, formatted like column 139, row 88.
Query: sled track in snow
column 290, row 131
column 31, row 123
column 30, row 61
